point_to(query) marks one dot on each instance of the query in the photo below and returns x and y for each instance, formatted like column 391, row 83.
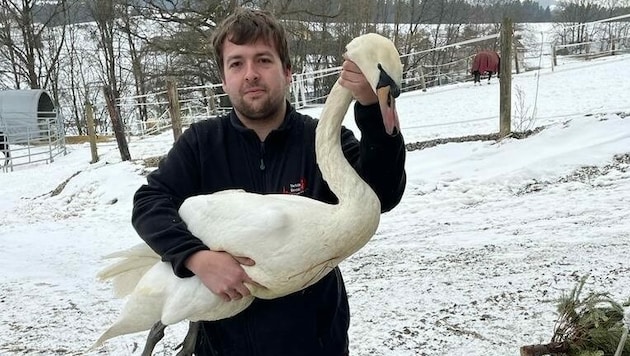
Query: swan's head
column 378, row 59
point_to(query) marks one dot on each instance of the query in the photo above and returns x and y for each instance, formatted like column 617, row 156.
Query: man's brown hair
column 247, row 26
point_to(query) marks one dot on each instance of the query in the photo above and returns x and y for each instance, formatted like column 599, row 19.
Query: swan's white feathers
column 244, row 215
column 294, row 240
column 371, row 48
column 268, row 229
column 138, row 250
column 126, row 273
column 190, row 297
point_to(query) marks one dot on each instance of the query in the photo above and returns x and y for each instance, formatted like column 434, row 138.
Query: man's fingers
column 232, row 294
column 350, row 66
column 242, row 291
column 255, row 284
column 236, row 295
column 245, row 260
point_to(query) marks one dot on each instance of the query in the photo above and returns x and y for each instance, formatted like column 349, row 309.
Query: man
column 263, row 145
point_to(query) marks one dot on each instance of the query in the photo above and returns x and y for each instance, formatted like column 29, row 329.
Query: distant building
column 31, row 127
column 27, row 115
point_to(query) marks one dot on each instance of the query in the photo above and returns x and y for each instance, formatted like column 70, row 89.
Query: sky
column 487, row 237
column 545, row 3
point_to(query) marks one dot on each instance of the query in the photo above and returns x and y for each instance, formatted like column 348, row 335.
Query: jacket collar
column 287, row 123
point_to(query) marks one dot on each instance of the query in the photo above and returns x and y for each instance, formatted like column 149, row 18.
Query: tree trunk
column 174, row 108
column 119, row 131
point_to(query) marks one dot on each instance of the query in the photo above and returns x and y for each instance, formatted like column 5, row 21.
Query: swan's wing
column 285, row 234
column 248, row 224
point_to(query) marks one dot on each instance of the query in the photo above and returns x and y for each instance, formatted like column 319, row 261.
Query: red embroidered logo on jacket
column 295, row 188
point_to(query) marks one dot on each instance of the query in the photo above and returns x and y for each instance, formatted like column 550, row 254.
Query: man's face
column 254, row 79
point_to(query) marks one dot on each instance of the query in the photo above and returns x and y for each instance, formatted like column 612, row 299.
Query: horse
column 4, row 148
column 485, row 62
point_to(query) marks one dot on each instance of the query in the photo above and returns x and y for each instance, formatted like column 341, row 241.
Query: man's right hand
column 222, row 273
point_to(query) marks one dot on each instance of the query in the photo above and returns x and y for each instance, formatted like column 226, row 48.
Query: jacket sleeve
column 155, row 206
column 379, row 158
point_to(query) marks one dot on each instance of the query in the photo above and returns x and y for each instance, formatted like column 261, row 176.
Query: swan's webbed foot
column 155, row 335
column 190, row 341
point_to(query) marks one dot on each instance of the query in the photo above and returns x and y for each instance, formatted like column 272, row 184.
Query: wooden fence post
column 174, row 108
column 515, row 49
column 505, row 95
column 114, row 115
column 213, row 105
column 89, row 118
column 423, row 83
column 554, row 60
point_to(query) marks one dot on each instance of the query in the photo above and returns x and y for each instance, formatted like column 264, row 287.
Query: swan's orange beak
column 387, row 102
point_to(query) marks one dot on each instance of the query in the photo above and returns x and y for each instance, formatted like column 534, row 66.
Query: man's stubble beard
column 256, row 111
column 260, row 110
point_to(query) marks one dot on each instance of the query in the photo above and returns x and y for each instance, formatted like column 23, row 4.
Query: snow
column 487, row 236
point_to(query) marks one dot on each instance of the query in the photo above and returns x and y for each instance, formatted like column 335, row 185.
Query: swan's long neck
column 342, row 179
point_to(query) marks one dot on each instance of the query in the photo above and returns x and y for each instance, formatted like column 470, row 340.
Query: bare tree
column 80, row 72
column 24, row 29
column 105, row 14
column 416, row 35
column 616, row 32
column 130, row 28
column 574, row 14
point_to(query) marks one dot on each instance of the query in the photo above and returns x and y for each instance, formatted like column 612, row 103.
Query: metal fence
column 30, row 144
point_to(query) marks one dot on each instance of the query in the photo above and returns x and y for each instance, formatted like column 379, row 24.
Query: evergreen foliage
column 590, row 326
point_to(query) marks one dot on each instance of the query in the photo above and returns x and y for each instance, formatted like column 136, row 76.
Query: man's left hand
column 353, row 79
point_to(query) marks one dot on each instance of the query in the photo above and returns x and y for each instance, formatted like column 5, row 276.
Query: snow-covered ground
column 487, row 236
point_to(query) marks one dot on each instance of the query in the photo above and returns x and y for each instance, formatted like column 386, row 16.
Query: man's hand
column 222, row 273
column 353, row 80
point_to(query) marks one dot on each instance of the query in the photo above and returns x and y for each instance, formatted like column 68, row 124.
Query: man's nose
column 251, row 72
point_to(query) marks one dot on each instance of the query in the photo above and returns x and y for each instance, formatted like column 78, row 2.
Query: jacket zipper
column 262, row 156
column 266, row 186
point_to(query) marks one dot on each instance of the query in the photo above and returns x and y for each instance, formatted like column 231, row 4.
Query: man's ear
column 289, row 75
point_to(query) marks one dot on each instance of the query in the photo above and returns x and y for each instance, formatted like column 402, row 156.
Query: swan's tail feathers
column 140, row 249
column 124, row 325
column 126, row 273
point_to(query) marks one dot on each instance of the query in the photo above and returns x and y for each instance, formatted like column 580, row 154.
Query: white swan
column 294, row 240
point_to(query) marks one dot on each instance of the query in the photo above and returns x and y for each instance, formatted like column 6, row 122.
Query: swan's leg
column 190, row 341
column 155, row 335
